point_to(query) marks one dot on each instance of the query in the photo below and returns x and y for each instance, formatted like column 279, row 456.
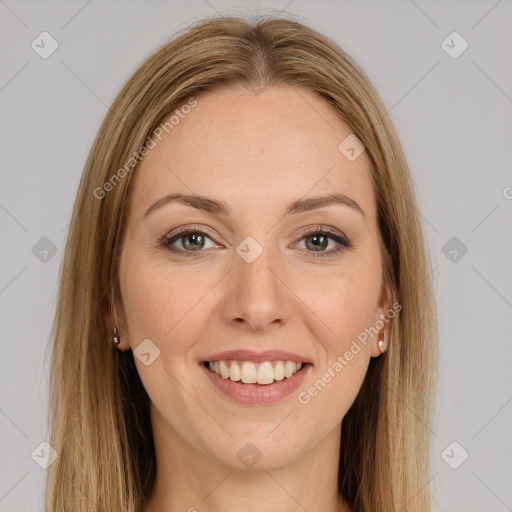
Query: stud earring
column 116, row 337
column 381, row 344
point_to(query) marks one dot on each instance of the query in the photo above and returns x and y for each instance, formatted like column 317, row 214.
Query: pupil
column 321, row 245
column 195, row 237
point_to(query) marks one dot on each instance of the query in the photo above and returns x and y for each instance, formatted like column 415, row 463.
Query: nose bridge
column 257, row 295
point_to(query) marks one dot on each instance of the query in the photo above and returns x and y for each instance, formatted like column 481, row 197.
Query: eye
column 191, row 241
column 317, row 240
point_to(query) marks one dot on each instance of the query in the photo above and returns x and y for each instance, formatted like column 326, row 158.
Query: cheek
column 345, row 302
column 347, row 310
column 156, row 303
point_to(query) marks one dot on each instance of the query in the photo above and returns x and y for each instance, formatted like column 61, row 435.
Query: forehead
column 271, row 147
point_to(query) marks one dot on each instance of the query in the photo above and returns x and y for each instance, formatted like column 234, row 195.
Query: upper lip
column 257, row 357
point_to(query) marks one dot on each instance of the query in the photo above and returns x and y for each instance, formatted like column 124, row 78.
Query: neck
column 188, row 479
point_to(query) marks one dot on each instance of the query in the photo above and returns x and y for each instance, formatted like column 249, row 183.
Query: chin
column 258, row 450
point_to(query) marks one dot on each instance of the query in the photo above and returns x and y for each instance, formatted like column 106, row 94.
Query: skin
column 258, row 153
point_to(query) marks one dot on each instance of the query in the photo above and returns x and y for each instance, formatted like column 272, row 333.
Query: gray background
column 453, row 117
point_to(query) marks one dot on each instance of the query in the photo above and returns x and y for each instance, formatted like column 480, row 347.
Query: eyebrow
column 219, row 207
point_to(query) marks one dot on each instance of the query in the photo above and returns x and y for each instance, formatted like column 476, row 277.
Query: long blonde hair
column 98, row 413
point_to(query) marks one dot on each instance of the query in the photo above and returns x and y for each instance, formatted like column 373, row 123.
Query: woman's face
column 241, row 270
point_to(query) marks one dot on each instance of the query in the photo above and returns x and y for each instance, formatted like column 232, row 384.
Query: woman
column 245, row 317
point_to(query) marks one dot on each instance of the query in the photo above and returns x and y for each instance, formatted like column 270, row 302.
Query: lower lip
column 257, row 393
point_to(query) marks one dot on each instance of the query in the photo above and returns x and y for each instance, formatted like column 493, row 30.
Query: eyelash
column 343, row 243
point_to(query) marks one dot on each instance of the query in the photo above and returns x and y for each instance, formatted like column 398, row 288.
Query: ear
column 382, row 320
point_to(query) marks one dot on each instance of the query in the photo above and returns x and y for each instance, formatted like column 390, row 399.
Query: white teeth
column 289, row 369
column 251, row 373
column 265, row 373
column 279, row 371
column 224, row 370
column 234, row 372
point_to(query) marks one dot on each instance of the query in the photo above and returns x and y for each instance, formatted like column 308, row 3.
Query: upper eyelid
column 185, row 230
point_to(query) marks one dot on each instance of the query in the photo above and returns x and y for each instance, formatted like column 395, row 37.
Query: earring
column 116, row 337
column 381, row 344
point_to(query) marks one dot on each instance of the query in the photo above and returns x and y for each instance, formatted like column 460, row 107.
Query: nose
column 257, row 296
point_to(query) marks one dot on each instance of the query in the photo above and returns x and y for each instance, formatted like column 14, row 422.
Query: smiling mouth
column 248, row 372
